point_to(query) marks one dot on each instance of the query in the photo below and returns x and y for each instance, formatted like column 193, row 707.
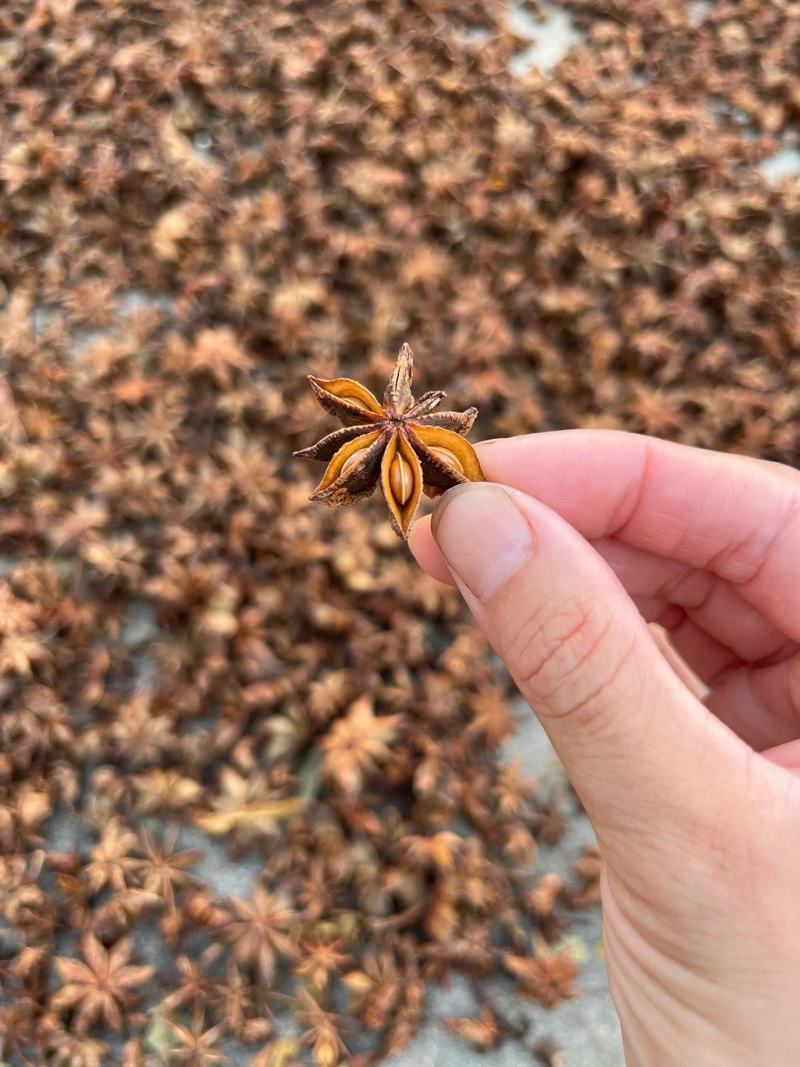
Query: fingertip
column 426, row 551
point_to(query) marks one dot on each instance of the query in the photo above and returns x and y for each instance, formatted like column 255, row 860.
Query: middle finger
column 707, row 601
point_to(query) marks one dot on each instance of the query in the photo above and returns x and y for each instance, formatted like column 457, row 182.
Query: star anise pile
column 254, row 797
column 406, row 445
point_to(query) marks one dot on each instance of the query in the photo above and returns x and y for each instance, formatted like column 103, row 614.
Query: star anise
column 402, row 443
column 101, row 987
column 196, row 1046
column 258, row 930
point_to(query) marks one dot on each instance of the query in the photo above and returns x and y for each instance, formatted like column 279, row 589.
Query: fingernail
column 483, row 536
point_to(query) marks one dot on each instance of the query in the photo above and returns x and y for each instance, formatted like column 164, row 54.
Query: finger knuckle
column 547, row 643
column 744, row 561
column 565, row 663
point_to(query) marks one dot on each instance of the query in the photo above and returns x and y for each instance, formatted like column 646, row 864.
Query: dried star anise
column 402, row 443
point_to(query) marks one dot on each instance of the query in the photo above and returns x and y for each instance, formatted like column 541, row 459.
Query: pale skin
column 578, row 541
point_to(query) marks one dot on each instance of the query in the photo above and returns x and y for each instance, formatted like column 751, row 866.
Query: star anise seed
column 403, row 444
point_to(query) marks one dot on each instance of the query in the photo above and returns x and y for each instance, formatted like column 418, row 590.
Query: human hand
column 696, row 804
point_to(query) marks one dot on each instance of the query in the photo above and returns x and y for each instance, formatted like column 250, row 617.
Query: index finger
column 736, row 517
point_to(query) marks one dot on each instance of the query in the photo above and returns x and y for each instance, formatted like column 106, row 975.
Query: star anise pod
column 402, row 443
column 259, row 930
column 99, row 988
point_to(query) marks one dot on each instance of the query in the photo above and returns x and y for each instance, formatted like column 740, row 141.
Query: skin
column 584, row 538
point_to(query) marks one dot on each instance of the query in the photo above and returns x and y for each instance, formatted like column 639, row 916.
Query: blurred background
column 265, row 796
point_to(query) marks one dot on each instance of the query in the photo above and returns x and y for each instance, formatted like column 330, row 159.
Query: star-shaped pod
column 404, row 444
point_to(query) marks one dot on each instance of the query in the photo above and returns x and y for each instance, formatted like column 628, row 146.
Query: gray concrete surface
column 785, row 163
column 551, row 37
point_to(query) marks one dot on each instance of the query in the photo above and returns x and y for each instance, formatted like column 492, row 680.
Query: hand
column 695, row 803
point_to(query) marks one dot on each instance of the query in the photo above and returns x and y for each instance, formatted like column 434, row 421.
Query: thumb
column 639, row 748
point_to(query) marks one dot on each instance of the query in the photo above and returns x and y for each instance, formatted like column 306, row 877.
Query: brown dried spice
column 405, row 444
column 99, row 987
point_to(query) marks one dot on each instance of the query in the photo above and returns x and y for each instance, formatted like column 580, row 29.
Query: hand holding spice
column 696, row 802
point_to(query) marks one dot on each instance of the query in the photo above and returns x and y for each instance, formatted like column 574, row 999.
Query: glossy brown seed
column 447, row 456
column 349, row 462
column 400, row 479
